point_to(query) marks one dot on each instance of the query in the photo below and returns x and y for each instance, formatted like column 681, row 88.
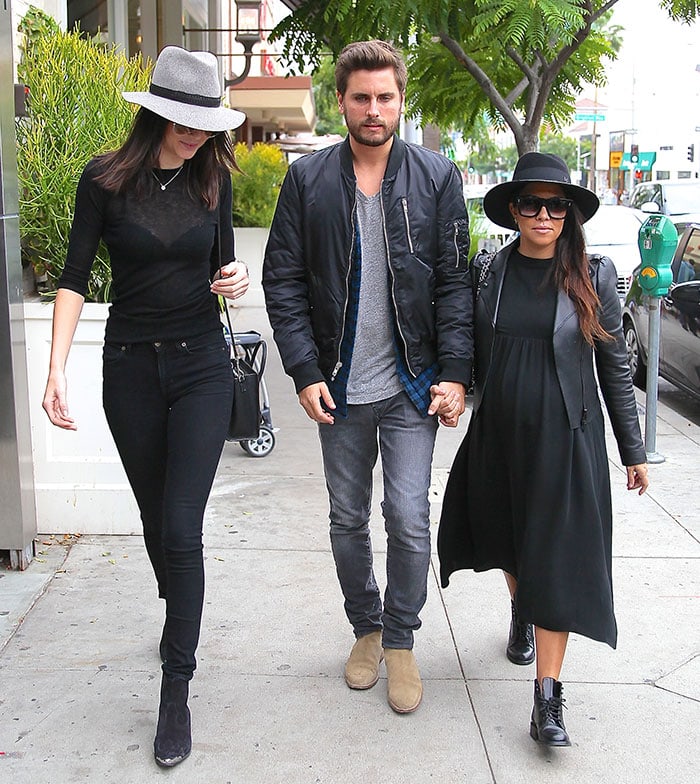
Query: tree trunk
column 431, row 137
column 529, row 140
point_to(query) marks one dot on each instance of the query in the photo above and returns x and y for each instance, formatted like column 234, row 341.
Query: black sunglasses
column 185, row 130
column 529, row 206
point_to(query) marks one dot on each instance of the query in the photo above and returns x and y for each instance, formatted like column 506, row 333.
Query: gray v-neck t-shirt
column 373, row 373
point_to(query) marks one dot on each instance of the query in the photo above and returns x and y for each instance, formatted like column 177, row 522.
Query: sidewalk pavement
column 79, row 635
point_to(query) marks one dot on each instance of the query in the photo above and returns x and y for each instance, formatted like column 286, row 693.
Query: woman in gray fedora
column 162, row 205
column 529, row 490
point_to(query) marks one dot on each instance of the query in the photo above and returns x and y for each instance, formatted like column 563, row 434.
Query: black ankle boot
column 547, row 722
column 173, row 741
column 521, row 640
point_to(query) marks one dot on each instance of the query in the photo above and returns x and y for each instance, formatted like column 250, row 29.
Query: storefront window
column 89, row 16
column 92, row 18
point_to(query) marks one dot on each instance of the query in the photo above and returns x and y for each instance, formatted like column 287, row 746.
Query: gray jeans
column 350, row 448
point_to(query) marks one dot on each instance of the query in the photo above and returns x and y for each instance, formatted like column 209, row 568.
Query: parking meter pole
column 657, row 243
column 652, row 383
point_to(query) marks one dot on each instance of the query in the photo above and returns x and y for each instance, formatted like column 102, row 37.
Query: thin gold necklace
column 164, row 185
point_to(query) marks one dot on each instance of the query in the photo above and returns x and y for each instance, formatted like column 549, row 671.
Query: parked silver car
column 679, row 338
column 679, row 199
column 614, row 231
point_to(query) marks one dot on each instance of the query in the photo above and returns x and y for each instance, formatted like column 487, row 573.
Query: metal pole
column 652, row 383
column 18, row 517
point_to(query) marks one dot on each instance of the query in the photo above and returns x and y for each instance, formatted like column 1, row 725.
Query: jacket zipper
column 339, row 363
column 454, row 239
column 391, row 273
column 408, row 225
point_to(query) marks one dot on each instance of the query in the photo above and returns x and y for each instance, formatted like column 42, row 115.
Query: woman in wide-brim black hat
column 529, row 490
column 162, row 205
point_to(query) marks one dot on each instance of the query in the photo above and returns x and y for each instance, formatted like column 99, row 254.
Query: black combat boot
column 173, row 741
column 521, row 640
column 547, row 722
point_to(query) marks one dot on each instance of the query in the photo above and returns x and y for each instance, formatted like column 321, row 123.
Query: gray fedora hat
column 537, row 167
column 185, row 88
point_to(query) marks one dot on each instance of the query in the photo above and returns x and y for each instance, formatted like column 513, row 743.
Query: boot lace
column 551, row 710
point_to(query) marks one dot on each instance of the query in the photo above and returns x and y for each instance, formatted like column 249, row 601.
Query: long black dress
column 533, row 496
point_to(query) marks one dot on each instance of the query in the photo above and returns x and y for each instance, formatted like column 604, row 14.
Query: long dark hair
column 572, row 275
column 131, row 165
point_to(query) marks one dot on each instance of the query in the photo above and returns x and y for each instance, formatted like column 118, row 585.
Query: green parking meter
column 657, row 244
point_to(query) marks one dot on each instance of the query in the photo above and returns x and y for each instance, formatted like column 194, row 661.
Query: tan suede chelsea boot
column 405, row 689
column 362, row 668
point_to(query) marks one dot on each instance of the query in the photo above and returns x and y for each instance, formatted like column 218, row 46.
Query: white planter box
column 79, row 481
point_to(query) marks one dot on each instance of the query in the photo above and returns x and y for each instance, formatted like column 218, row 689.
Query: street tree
column 329, row 119
column 521, row 62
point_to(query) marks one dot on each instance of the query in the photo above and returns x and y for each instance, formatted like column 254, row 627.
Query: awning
column 277, row 103
column 306, row 142
column 645, row 162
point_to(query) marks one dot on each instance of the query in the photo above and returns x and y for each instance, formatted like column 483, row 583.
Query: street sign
column 615, row 159
column 589, row 117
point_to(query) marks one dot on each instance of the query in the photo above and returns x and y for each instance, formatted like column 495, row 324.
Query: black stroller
column 251, row 347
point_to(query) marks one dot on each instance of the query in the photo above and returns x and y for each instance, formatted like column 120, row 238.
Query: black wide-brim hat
column 537, row 167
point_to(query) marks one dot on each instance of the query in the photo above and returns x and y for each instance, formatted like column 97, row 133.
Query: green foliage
column 563, row 146
column 475, row 213
column 35, row 24
column 682, row 10
column 520, row 62
column 329, row 118
column 75, row 112
column 257, row 186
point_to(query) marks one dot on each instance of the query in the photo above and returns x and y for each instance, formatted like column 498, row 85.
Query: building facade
column 274, row 105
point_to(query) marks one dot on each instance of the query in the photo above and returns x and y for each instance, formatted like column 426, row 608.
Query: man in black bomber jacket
column 367, row 291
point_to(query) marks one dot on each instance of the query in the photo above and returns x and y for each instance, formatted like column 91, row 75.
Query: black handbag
column 244, row 423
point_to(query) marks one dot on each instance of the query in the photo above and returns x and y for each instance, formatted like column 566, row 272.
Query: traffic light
column 691, row 152
column 634, row 153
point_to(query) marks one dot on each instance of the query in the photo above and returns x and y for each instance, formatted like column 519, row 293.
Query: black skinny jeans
column 168, row 406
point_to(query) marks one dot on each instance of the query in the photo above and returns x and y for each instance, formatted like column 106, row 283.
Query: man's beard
column 372, row 139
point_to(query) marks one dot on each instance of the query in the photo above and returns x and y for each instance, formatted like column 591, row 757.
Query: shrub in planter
column 75, row 111
column 257, row 186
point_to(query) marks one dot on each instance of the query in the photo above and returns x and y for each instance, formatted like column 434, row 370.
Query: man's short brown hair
column 369, row 56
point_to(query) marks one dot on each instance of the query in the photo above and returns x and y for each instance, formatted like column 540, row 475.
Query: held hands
column 447, row 402
column 233, row 281
column 310, row 398
column 637, row 478
column 55, row 403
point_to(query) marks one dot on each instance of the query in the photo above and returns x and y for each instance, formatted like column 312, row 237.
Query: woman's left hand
column 233, row 281
column 637, row 478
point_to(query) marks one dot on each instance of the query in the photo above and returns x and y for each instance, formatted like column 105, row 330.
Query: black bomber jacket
column 573, row 356
column 310, row 250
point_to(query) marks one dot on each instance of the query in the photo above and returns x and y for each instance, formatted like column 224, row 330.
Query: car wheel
column 638, row 370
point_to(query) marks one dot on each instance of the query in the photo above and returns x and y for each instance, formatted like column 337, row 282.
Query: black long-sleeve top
column 163, row 253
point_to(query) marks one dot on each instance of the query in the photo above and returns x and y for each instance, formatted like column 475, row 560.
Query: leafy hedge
column 255, row 191
column 75, row 112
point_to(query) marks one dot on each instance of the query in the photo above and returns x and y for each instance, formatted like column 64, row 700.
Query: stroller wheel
column 260, row 446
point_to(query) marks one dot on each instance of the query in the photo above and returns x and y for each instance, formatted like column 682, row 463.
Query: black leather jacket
column 573, row 356
column 310, row 251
